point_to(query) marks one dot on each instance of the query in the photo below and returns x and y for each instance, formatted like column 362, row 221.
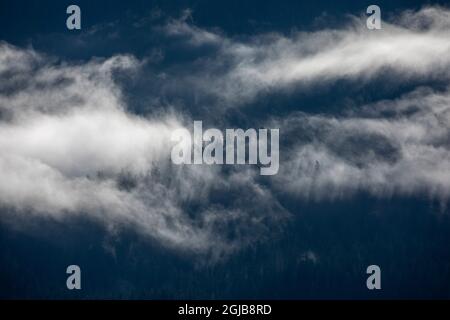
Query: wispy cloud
column 394, row 147
column 413, row 45
column 71, row 146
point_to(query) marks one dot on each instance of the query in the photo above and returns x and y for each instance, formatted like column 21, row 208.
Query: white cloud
column 70, row 147
column 396, row 147
column 414, row 45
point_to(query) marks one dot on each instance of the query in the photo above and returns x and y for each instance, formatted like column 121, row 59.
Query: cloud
column 70, row 147
column 193, row 35
column 388, row 148
column 413, row 45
